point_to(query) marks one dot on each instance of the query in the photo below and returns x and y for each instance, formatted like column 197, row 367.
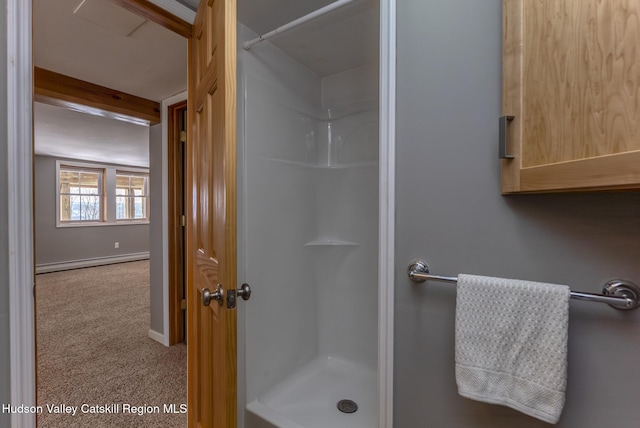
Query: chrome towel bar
column 617, row 293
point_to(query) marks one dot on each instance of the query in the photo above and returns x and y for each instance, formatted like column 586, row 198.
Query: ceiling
column 193, row 4
column 143, row 59
column 263, row 16
column 90, row 138
column 343, row 39
column 151, row 62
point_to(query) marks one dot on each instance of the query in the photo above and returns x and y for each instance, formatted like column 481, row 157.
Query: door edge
column 387, row 211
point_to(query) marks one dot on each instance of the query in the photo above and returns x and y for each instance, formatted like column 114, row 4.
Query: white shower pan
column 309, row 398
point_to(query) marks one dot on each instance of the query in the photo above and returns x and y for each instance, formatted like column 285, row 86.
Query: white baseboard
column 96, row 261
column 158, row 337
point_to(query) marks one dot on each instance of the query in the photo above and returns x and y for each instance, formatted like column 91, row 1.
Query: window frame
column 108, row 193
column 133, row 173
column 81, row 167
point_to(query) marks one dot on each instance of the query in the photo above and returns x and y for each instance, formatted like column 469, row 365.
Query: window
column 131, row 196
column 81, row 194
column 91, row 194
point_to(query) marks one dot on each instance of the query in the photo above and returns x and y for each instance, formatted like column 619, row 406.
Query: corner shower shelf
column 330, row 243
column 316, row 166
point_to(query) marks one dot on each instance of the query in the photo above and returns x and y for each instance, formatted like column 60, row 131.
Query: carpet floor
column 94, row 353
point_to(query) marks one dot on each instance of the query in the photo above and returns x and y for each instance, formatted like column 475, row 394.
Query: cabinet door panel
column 571, row 71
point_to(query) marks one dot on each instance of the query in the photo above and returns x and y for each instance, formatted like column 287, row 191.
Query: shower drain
column 347, row 406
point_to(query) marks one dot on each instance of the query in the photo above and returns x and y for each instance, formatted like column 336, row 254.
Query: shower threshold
column 309, row 397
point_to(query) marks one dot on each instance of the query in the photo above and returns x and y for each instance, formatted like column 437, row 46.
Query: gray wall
column 64, row 244
column 450, row 212
column 156, row 232
column 5, row 394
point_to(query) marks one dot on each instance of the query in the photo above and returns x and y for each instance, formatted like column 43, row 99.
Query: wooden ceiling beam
column 154, row 13
column 57, row 89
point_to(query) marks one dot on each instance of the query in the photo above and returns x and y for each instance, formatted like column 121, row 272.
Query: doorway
column 126, row 234
column 177, row 138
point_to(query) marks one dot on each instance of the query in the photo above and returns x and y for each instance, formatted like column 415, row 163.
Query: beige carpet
column 94, row 350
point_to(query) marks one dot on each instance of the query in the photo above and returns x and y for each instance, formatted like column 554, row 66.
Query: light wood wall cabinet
column 571, row 81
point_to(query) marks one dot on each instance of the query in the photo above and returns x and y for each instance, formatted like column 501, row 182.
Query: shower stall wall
column 309, row 239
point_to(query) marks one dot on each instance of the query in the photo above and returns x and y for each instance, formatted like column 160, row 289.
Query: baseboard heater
column 96, row 261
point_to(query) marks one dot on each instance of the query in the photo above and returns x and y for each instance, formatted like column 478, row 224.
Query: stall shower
column 308, row 235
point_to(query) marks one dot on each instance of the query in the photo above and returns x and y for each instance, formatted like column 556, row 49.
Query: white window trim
column 134, row 172
column 60, row 165
column 109, row 195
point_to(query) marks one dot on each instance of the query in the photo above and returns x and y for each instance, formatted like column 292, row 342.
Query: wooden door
column 571, row 81
column 211, row 219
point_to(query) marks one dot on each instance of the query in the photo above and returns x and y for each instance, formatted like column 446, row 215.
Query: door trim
column 21, row 265
column 20, row 219
column 176, row 247
column 166, row 285
column 387, row 211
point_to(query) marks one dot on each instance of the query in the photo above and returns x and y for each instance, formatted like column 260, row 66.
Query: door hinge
column 183, row 304
column 183, row 136
column 183, row 220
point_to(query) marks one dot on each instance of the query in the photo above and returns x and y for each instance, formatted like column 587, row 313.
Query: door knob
column 208, row 296
column 244, row 291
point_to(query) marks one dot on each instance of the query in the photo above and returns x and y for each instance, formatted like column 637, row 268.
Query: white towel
column 511, row 343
